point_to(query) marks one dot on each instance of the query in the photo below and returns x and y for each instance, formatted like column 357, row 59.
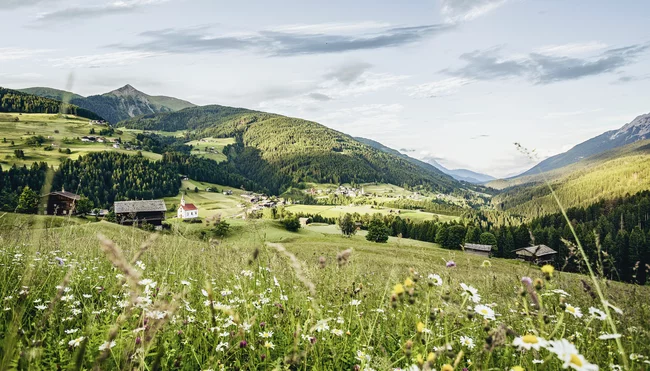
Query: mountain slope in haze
column 614, row 173
column 458, row 174
column 462, row 174
column 17, row 101
column 301, row 150
column 117, row 105
column 56, row 94
column 637, row 129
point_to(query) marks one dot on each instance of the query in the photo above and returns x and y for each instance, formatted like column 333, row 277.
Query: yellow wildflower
column 447, row 367
column 431, row 357
column 420, row 326
column 408, row 282
column 548, row 270
column 398, row 289
column 517, row 368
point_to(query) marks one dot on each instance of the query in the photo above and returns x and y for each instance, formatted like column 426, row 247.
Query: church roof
column 189, row 207
column 65, row 194
column 477, row 247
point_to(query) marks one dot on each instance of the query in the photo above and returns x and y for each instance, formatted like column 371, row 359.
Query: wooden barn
column 59, row 203
column 538, row 254
column 483, row 250
column 138, row 212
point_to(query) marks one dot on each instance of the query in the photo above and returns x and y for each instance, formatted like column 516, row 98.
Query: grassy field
column 55, row 128
column 211, row 148
column 336, row 211
column 209, row 203
column 307, row 300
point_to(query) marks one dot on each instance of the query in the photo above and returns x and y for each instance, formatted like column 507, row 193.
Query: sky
column 456, row 81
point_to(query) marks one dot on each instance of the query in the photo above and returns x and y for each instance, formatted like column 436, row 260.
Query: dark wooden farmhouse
column 537, row 254
column 483, row 250
column 59, row 203
column 138, row 212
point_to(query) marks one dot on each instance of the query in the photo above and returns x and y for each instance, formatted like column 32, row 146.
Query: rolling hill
column 604, row 176
column 19, row 102
column 117, row 105
column 637, row 129
column 299, row 150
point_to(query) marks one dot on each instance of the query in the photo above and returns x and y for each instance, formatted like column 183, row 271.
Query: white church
column 187, row 211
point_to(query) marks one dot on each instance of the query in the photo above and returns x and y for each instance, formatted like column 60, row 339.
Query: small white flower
column 222, row 346
column 269, row 345
column 467, row 341
column 337, row 332
column 266, row 334
column 140, row 265
column 485, row 311
column 575, row 311
column 561, row 292
column 609, row 336
column 71, row 331
column 529, row 342
column 205, row 293
column 76, row 342
column 435, row 279
column 321, row 326
column 355, row 303
column 597, row 313
column 41, row 307
column 568, row 354
column 185, row 283
column 107, row 345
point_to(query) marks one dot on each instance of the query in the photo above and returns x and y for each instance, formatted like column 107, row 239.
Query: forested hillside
column 604, row 176
column 281, row 150
column 15, row 101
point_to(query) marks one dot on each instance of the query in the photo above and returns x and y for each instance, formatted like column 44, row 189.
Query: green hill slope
column 607, row 175
column 56, row 94
column 301, row 150
column 16, row 101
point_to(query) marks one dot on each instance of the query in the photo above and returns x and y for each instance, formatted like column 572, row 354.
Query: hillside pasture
column 336, row 211
column 265, row 298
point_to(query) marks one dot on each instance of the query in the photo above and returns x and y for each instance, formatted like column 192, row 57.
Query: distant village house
column 59, row 203
column 536, row 254
column 138, row 212
column 483, row 250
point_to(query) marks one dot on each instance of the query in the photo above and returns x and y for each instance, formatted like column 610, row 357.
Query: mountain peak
column 126, row 90
column 637, row 129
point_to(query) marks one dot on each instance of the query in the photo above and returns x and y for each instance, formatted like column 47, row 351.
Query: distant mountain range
column 458, row 174
column 117, row 105
column 637, row 129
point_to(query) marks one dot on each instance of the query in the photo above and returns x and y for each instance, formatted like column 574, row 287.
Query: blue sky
column 453, row 80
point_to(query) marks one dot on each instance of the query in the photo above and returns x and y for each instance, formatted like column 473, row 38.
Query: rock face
column 637, row 129
column 120, row 104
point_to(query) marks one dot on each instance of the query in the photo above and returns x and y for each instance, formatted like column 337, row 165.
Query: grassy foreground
column 265, row 298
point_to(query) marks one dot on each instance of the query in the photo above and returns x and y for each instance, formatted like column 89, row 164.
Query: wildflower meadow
column 102, row 296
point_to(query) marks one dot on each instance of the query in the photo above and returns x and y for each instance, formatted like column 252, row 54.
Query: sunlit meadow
column 102, row 296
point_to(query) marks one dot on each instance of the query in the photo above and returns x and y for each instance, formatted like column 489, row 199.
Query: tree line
column 15, row 101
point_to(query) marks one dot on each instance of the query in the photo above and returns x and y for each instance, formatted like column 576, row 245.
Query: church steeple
column 183, row 200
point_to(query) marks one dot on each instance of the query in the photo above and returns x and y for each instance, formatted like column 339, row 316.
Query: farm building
column 187, row 211
column 59, row 203
column 536, row 254
column 483, row 250
column 136, row 212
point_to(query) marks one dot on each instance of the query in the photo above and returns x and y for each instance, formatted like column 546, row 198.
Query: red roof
column 189, row 207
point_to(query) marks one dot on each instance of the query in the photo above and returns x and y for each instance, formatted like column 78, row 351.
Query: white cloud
column 466, row 10
column 439, row 88
column 101, row 60
column 572, row 49
column 379, row 119
column 10, row 54
column 318, row 28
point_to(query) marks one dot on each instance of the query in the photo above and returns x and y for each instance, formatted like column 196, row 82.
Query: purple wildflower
column 451, row 264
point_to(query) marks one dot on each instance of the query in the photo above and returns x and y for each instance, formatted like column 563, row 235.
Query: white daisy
column 107, row 345
column 467, row 341
column 597, row 313
column 435, row 279
column 609, row 336
column 529, row 342
column 76, row 342
column 568, row 354
column 575, row 311
column 337, row 332
column 485, row 311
